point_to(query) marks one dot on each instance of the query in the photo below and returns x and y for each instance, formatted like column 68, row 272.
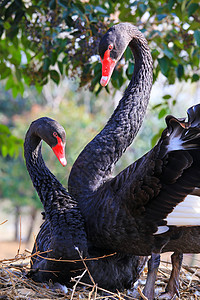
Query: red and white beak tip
column 63, row 161
column 59, row 151
column 104, row 80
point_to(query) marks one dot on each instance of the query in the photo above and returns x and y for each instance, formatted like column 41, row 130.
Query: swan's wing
column 41, row 245
column 162, row 178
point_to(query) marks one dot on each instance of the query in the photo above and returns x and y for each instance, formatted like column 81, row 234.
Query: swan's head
column 54, row 135
column 111, row 49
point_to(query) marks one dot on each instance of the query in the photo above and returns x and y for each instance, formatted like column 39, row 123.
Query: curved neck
column 95, row 163
column 45, row 183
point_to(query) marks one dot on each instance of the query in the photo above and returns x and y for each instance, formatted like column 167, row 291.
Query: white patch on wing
column 186, row 213
column 175, row 143
column 161, row 229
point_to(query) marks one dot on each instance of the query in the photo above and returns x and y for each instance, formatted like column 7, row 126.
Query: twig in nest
column 3, row 222
column 111, row 294
column 191, row 271
column 92, row 291
column 11, row 275
column 163, row 273
column 192, row 277
column 77, row 282
column 82, row 259
column 20, row 236
column 141, row 293
column 72, row 260
column 22, row 256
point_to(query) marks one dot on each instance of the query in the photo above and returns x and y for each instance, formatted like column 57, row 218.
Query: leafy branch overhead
column 9, row 144
column 43, row 40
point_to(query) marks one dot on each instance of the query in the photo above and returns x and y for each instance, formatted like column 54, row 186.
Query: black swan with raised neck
column 63, row 230
column 129, row 211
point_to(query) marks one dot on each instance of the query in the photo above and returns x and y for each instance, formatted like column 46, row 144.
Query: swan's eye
column 110, row 47
column 55, row 134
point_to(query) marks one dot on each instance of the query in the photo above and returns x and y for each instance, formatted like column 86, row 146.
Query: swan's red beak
column 59, row 151
column 107, row 68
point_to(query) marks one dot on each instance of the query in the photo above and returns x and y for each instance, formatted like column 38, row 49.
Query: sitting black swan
column 128, row 212
column 63, row 229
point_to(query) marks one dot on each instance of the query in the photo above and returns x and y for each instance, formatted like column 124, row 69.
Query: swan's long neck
column 95, row 163
column 52, row 194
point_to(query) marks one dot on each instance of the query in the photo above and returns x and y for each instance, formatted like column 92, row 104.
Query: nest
column 15, row 285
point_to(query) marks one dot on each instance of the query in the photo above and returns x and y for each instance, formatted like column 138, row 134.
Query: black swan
column 63, row 229
column 128, row 212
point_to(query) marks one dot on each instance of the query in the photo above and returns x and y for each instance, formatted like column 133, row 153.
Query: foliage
column 42, row 40
column 9, row 144
column 47, row 40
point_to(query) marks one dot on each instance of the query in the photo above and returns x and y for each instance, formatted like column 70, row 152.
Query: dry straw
column 15, row 285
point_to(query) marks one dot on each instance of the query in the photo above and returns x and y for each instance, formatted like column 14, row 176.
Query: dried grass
column 15, row 285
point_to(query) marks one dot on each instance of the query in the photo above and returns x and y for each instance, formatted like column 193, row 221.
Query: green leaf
column 155, row 53
column 164, row 65
column 161, row 17
column 4, row 129
column 18, row 74
column 46, row 64
column 40, row 87
column 156, row 137
column 5, row 73
column 78, row 5
column 15, row 91
column 162, row 113
column 128, row 54
column 52, row 4
column 54, row 57
column 174, row 102
column 6, row 25
column 60, row 66
column 171, row 76
column 170, row 4
column 65, row 59
column 194, row 25
column 192, row 8
column 64, row 3
column 4, row 150
column 142, row 7
column 195, row 77
column 180, row 71
column 55, row 76
column 157, row 105
column 154, row 140
column 197, row 37
column 178, row 44
column 10, row 83
column 130, row 68
column 168, row 52
column 167, row 97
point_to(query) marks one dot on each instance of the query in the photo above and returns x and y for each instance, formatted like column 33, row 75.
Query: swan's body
column 64, row 229
column 127, row 211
